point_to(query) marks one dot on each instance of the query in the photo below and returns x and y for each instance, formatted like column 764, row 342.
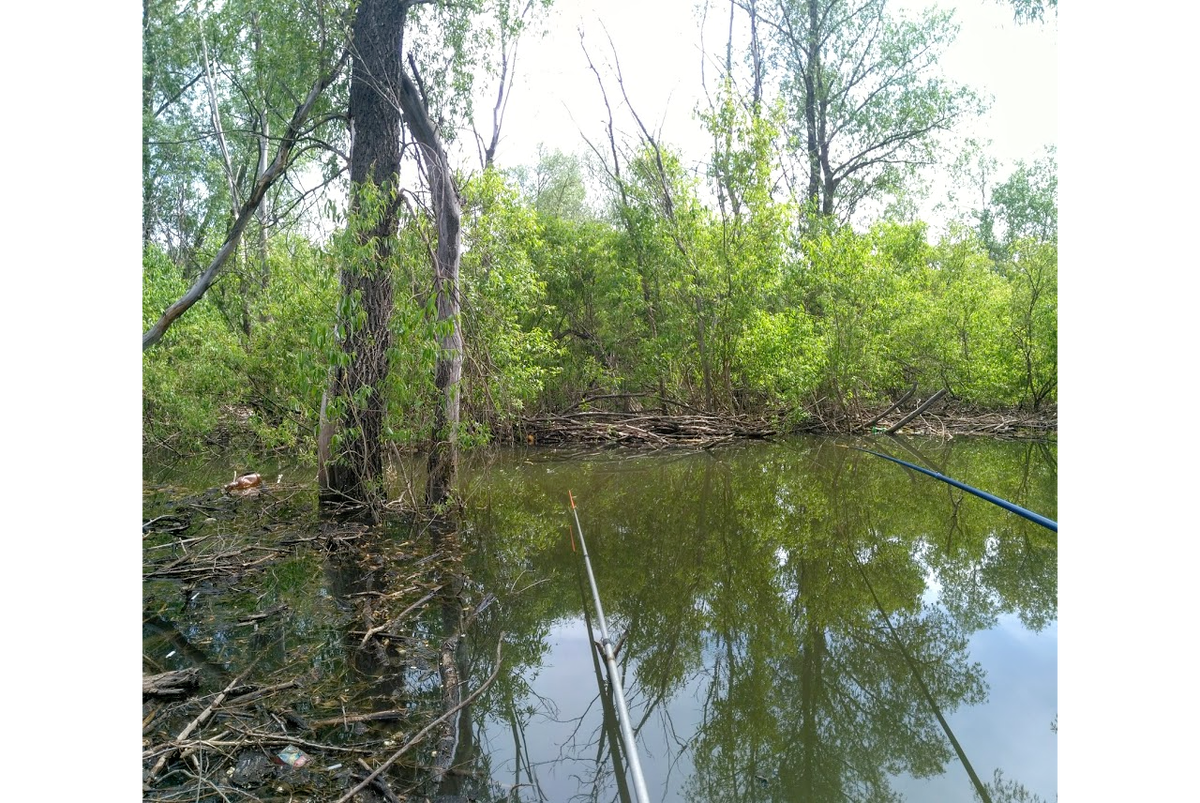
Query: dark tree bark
column 355, row 473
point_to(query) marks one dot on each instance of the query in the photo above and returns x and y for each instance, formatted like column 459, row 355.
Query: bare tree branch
column 277, row 168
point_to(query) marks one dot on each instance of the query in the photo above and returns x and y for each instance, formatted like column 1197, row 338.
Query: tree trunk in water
column 355, row 473
column 443, row 452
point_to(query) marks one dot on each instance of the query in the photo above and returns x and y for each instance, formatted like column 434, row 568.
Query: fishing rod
column 611, row 729
column 1049, row 524
column 610, row 657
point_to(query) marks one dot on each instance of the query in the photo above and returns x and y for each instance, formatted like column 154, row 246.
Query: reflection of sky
column 1010, row 732
column 562, row 744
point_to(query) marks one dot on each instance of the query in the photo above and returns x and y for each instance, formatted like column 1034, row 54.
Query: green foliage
column 1025, row 206
column 778, row 357
column 509, row 352
column 865, row 98
column 554, row 186
column 597, row 307
column 766, row 345
column 284, row 372
column 1033, row 320
column 720, row 289
column 220, row 82
column 192, row 382
column 860, row 302
column 208, row 376
column 954, row 337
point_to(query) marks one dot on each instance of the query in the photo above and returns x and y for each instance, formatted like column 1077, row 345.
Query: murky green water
column 793, row 618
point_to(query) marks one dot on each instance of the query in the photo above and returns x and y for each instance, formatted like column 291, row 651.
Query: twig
column 197, row 722
column 380, row 784
column 470, row 698
column 396, row 619
column 264, row 691
column 346, row 719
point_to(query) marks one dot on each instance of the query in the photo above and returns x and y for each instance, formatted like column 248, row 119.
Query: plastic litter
column 293, row 756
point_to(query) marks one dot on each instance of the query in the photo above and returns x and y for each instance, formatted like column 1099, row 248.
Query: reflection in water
column 797, row 619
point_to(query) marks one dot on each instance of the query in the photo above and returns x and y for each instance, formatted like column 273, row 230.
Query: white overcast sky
column 658, row 43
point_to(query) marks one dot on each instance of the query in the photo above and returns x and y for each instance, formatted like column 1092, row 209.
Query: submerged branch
column 421, row 734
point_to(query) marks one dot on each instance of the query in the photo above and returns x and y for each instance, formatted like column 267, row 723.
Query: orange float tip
column 572, row 498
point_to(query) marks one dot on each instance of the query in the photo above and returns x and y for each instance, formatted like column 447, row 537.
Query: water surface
column 793, row 619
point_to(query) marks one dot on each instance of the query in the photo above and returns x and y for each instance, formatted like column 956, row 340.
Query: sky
column 660, row 47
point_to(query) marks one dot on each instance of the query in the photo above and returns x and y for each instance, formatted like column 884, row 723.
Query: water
column 791, row 617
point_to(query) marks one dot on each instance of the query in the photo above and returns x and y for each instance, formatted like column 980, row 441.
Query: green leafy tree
column 554, row 186
column 190, row 385
column 509, row 353
column 955, row 337
column 598, row 317
column 759, row 340
column 864, row 96
column 1033, row 275
column 859, row 301
column 1025, row 205
column 350, row 448
column 235, row 96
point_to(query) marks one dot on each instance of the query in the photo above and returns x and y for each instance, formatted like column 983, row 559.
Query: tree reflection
column 790, row 584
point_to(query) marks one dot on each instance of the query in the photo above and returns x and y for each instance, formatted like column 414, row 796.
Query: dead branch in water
column 421, row 734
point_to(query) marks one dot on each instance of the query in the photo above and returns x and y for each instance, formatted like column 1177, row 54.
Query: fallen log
column 179, row 683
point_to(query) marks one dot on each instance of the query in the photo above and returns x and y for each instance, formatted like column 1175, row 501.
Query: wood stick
column 928, row 403
column 424, row 731
column 197, row 722
column 396, row 619
column 346, row 719
column 380, row 784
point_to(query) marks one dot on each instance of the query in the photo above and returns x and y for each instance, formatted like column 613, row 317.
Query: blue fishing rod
column 995, row 500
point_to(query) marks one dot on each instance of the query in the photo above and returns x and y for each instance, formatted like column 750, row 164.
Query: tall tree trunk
column 264, row 145
column 443, row 452
column 355, row 473
column 812, row 74
column 149, row 67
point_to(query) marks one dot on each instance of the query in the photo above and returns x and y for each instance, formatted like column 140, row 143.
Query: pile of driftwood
column 935, row 416
column 642, row 428
column 241, row 705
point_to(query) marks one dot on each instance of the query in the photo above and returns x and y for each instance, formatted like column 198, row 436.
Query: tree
column 512, row 17
column 384, row 96
column 443, row 451
column 1032, row 10
column 352, row 469
column 554, row 186
column 217, row 84
column 1033, row 273
column 1025, row 205
column 864, row 96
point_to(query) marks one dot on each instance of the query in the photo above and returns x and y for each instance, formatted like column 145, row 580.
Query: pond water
column 796, row 620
